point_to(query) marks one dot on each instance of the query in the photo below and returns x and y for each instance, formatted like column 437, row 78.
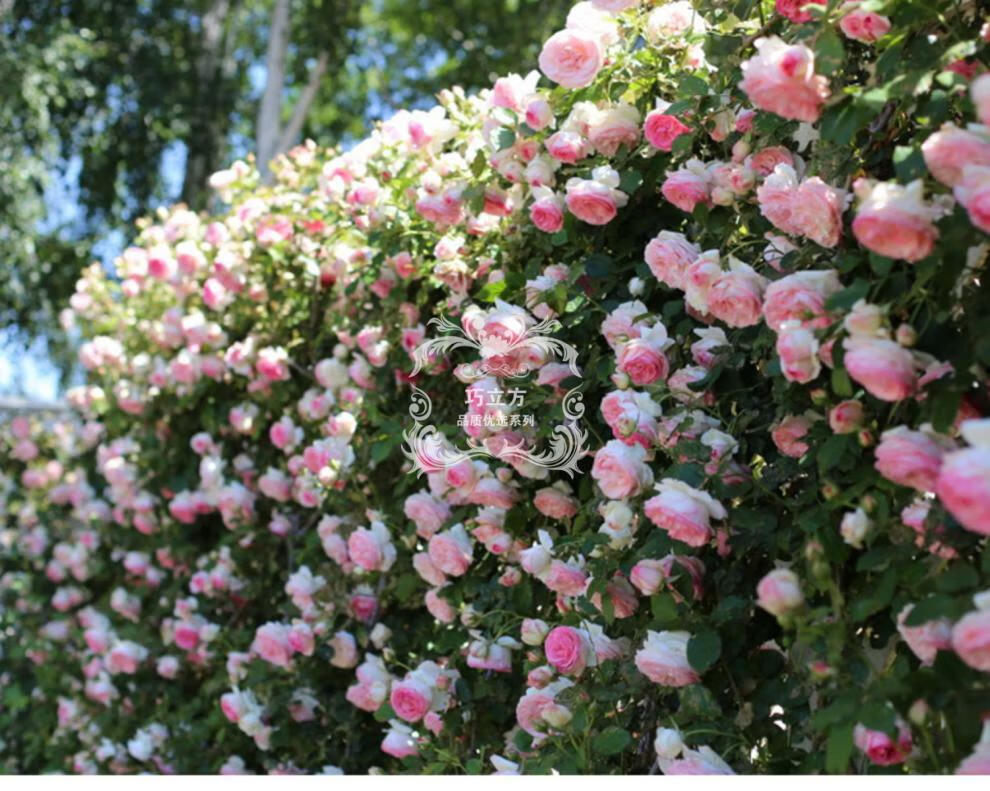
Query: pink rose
column 399, row 743
column 779, row 592
column 271, row 643
column 788, row 433
column 572, row 58
column 973, row 192
column 547, row 212
column 979, row 91
column 661, row 130
column 364, row 549
column 643, row 362
column 963, row 486
column 451, row 551
column 909, row 458
column 798, row 350
column 846, row 417
column 613, row 127
column 949, row 150
column 893, row 221
column 596, row 201
column 794, row 9
column 620, row 470
column 567, row 146
column 411, row 699
column 765, row 160
column 736, row 297
column 971, row 639
column 555, row 503
column 684, row 512
column 865, row 26
column 663, row 659
column 686, row 188
column 648, row 576
column 567, row 650
column 881, row 366
column 800, row 297
column 439, row 607
column 781, row 79
column 565, row 579
column 668, row 255
column 880, row 748
column 926, row 639
column 427, row 512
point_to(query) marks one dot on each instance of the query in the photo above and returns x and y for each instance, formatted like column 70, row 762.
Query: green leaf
column 936, row 606
column 630, row 180
column 598, row 265
column 839, row 749
column 689, row 85
column 703, row 650
column 845, row 299
column 878, row 717
column 841, row 383
column 829, row 52
column 385, row 713
column 945, row 407
column 909, row 164
column 611, row 741
column 831, row 451
column 664, row 608
column 504, row 138
column 958, row 577
column 491, row 291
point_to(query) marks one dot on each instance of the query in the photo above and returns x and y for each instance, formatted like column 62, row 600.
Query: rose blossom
column 973, row 192
column 864, row 26
column 571, row 58
column 794, row 9
column 451, row 551
column 781, row 79
column 798, row 351
column 893, row 221
column 597, row 200
column 979, row 91
column 620, row 470
column 788, row 433
column 643, row 358
column 909, row 458
column 800, row 297
column 880, row 748
column 948, row 151
column 663, row 659
column 963, row 483
column 779, row 592
column 683, row 511
column 688, row 187
column 882, row 367
column 556, row 503
column 661, row 129
column 547, row 210
column 668, row 255
column 971, row 639
column 927, row 639
column 846, row 417
column 736, row 297
column 411, row 699
column 568, row 650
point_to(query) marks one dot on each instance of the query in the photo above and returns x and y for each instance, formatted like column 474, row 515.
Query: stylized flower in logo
column 510, row 344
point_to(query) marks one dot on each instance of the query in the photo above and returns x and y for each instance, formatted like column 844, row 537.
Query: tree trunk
column 207, row 128
column 270, row 109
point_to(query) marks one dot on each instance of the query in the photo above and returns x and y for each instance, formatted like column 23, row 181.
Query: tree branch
column 291, row 131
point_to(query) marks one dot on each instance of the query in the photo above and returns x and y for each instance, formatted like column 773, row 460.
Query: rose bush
column 762, row 226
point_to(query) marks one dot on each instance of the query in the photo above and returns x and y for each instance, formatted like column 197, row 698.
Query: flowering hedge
column 762, row 227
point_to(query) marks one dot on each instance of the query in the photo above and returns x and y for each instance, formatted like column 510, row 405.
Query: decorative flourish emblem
column 506, row 350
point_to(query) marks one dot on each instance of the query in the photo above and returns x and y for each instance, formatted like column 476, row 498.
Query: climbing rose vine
column 763, row 227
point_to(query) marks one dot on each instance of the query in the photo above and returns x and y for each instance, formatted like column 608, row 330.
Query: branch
column 288, row 135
